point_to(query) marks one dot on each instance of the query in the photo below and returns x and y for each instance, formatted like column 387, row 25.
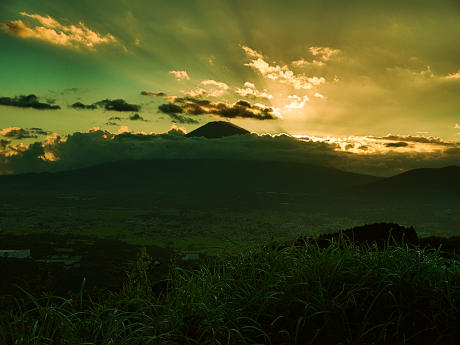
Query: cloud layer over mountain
column 97, row 146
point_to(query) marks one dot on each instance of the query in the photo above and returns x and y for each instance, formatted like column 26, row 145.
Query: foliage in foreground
column 295, row 295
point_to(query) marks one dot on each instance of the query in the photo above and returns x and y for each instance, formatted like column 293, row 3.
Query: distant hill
column 232, row 182
column 436, row 184
column 193, row 179
column 217, row 129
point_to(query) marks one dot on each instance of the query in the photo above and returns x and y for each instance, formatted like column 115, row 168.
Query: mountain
column 199, row 180
column 228, row 183
column 424, row 184
column 217, row 129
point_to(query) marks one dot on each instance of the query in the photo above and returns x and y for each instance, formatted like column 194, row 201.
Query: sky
column 363, row 86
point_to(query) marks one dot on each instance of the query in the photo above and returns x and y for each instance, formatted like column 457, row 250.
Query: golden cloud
column 250, row 91
column 53, row 32
column 180, row 74
column 325, row 52
column 284, row 75
column 454, row 76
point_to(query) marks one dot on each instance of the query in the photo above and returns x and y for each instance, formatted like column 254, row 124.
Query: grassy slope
column 340, row 294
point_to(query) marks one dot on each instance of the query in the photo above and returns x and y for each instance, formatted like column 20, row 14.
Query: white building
column 20, row 254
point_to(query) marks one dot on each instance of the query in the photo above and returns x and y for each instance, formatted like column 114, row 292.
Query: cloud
column 325, row 52
column 97, row 146
column 39, row 131
column 240, row 109
column 136, row 117
column 453, row 76
column 133, row 117
column 457, row 125
column 250, row 91
column 67, row 91
column 284, row 75
column 252, row 52
column 302, row 62
column 183, row 119
column 452, row 151
column 153, row 94
column 398, row 144
column 180, row 75
column 118, row 105
column 200, row 92
column 197, row 93
column 297, row 103
column 417, row 138
column 221, row 88
column 81, row 106
column 52, row 31
column 107, row 104
column 4, row 143
column 17, row 133
column 21, row 133
column 219, row 84
column 319, row 95
column 30, row 101
column 170, row 108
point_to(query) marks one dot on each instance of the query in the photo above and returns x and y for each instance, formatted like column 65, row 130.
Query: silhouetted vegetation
column 354, row 286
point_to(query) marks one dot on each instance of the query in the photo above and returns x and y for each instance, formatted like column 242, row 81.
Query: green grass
column 343, row 294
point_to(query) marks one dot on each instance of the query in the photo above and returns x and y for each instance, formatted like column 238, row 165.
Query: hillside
column 425, row 184
column 189, row 178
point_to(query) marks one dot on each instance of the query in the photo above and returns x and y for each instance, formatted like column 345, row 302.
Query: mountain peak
column 217, row 129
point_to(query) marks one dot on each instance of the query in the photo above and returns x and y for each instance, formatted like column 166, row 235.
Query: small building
column 20, row 254
column 191, row 256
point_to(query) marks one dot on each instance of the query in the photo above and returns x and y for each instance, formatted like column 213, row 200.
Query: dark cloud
column 73, row 89
column 133, row 117
column 170, row 108
column 349, row 146
column 111, row 123
column 39, row 131
column 18, row 133
column 4, row 143
column 153, row 94
column 398, row 144
column 81, row 106
column 68, row 91
column 23, row 133
column 183, row 119
column 118, row 105
column 30, row 101
column 418, row 139
column 241, row 109
column 107, row 104
column 136, row 117
column 452, row 151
